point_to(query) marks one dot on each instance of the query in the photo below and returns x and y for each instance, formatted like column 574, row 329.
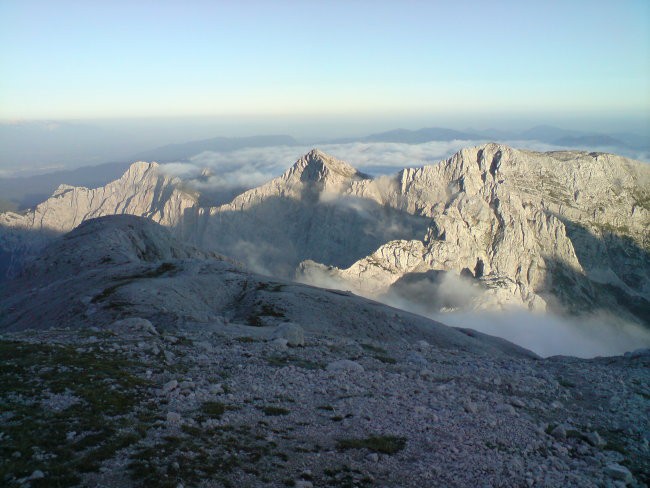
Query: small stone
column 37, row 475
column 505, row 408
column 594, row 439
column 426, row 373
column 293, row 333
column 471, row 407
column 559, row 432
column 303, row 484
column 133, row 324
column 170, row 386
column 280, row 343
column 173, row 417
column 618, row 472
column 186, row 385
column 416, row 358
column 344, row 365
column 216, row 389
column 373, row 457
column 516, row 402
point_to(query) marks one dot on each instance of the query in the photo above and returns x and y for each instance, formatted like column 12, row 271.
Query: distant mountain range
column 26, row 191
column 543, row 133
column 540, row 231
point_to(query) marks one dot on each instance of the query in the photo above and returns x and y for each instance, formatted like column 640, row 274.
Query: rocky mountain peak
column 317, row 166
column 142, row 167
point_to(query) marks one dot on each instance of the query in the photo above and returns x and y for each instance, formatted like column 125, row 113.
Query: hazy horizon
column 43, row 146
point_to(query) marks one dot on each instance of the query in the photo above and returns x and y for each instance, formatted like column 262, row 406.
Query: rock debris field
column 233, row 405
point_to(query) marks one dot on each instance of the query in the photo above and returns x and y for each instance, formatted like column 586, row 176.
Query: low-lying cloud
column 546, row 333
column 247, row 168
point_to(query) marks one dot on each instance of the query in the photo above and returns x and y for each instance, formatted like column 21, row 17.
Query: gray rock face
column 134, row 324
column 529, row 229
column 293, row 334
column 312, row 211
column 511, row 228
column 141, row 191
column 131, row 271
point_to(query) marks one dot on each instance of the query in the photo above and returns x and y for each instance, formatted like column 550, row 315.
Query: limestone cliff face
column 141, row 191
column 315, row 210
column 520, row 228
column 542, row 226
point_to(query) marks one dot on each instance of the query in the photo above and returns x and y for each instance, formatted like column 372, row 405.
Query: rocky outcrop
column 529, row 228
column 517, row 228
column 143, row 191
column 315, row 210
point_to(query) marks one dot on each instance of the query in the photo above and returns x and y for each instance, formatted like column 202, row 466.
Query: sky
column 120, row 59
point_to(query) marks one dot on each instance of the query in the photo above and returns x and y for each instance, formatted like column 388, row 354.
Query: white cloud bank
column 253, row 166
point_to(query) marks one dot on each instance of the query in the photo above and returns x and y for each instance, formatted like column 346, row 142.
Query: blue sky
column 95, row 59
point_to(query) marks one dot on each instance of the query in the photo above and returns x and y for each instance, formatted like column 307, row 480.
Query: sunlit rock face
column 504, row 227
column 523, row 228
column 143, row 191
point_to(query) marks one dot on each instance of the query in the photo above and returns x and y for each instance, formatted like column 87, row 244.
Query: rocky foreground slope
column 156, row 364
column 560, row 231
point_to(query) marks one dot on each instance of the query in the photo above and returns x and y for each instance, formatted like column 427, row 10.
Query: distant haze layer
column 39, row 147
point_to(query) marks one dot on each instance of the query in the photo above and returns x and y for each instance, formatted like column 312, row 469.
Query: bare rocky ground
column 130, row 359
column 230, row 405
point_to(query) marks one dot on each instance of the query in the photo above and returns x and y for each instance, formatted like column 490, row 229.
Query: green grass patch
column 385, row 359
column 566, row 383
column 385, row 444
column 375, row 349
column 213, row 409
column 285, row 360
column 274, row 411
column 199, row 454
column 153, row 273
column 107, row 391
